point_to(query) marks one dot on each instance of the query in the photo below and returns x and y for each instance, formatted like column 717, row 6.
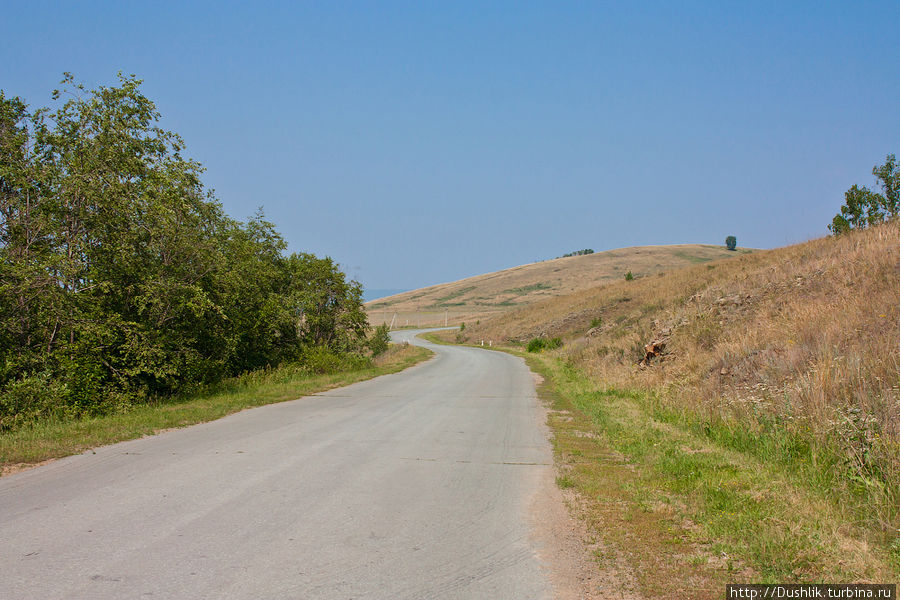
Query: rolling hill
column 483, row 296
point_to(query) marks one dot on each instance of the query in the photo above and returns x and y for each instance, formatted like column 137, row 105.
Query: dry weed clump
column 794, row 352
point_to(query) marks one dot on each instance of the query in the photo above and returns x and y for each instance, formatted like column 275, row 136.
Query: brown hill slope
column 483, row 296
column 791, row 355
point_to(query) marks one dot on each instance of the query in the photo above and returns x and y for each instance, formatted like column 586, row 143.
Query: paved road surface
column 414, row 485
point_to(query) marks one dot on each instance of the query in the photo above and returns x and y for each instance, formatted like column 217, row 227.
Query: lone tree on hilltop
column 731, row 242
column 863, row 207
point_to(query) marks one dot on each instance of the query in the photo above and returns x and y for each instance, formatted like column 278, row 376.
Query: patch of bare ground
column 19, row 467
column 569, row 550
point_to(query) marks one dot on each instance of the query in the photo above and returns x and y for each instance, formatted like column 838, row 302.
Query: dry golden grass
column 791, row 355
column 485, row 296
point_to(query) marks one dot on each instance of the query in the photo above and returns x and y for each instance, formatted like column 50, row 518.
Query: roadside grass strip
column 47, row 440
column 688, row 515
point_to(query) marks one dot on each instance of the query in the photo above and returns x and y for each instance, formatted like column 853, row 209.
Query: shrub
column 629, row 276
column 731, row 242
column 380, row 341
column 596, row 322
column 578, row 253
column 31, row 397
column 322, row 360
column 539, row 344
column 535, row 345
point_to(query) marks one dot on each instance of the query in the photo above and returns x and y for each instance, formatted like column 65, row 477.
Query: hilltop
column 483, row 296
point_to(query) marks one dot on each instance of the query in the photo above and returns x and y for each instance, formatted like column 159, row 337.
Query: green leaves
column 863, row 207
column 731, row 242
column 120, row 275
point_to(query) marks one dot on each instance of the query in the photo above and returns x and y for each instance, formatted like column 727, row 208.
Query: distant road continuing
column 414, row 485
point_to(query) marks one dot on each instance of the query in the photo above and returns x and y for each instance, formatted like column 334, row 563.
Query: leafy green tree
column 121, row 278
column 888, row 178
column 863, row 207
column 329, row 308
column 731, row 242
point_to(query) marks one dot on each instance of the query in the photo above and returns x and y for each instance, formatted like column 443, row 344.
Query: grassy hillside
column 757, row 400
column 483, row 296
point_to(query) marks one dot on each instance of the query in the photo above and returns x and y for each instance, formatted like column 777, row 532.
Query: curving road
column 414, row 485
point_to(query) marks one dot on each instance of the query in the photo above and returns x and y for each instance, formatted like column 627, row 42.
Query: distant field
column 483, row 296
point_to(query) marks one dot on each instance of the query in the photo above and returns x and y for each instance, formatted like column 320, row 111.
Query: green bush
column 629, row 276
column 596, row 322
column 30, row 398
column 535, row 345
column 380, row 341
column 539, row 344
column 322, row 360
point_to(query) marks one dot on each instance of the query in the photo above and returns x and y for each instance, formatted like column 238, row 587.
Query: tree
column 121, row 277
column 328, row 308
column 888, row 177
column 731, row 242
column 863, row 207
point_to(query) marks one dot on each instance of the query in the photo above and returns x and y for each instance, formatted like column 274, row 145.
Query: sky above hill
column 423, row 142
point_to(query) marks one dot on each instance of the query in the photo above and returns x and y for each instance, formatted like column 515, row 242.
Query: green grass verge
column 656, row 485
column 54, row 439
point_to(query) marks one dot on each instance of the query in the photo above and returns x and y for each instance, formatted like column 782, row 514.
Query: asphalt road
column 414, row 485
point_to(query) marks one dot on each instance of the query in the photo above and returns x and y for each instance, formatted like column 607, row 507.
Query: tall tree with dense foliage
column 121, row 278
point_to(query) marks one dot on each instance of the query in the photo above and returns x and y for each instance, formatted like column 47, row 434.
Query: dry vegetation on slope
column 789, row 356
column 483, row 296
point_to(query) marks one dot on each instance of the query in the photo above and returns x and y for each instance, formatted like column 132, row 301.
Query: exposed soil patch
column 19, row 467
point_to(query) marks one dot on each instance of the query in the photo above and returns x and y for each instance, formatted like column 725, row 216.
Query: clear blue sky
column 423, row 142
